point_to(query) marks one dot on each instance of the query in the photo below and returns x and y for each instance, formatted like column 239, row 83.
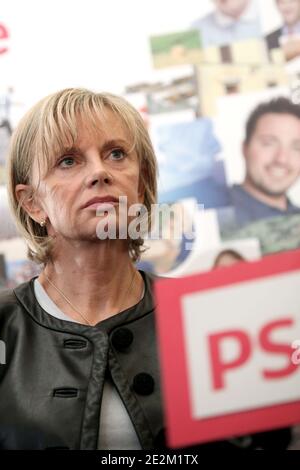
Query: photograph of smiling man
column 230, row 21
column 271, row 151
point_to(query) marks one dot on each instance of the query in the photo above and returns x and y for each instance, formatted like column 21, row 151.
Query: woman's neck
column 98, row 279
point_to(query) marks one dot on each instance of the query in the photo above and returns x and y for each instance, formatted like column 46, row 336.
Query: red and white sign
column 225, row 341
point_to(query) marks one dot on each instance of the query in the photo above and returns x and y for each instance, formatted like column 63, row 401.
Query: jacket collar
column 26, row 297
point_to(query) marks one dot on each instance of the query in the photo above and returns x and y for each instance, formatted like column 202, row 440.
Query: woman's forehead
column 106, row 127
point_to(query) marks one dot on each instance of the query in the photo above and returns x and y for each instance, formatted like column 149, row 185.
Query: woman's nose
column 98, row 174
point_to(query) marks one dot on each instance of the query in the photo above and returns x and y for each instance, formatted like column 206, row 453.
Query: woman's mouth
column 102, row 206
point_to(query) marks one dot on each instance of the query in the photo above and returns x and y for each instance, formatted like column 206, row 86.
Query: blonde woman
column 81, row 368
column 79, row 338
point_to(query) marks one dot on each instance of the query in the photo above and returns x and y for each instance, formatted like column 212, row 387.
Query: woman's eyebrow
column 107, row 145
column 114, row 143
column 72, row 149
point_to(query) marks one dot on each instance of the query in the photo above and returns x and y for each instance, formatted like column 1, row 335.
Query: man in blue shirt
column 272, row 158
column 231, row 21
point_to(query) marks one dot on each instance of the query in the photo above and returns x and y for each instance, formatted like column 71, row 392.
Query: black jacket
column 51, row 384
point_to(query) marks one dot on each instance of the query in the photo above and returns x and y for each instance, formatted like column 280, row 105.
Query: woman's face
column 97, row 167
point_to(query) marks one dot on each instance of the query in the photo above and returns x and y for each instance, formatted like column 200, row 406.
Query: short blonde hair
column 50, row 126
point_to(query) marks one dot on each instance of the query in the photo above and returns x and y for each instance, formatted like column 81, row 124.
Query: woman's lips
column 102, row 206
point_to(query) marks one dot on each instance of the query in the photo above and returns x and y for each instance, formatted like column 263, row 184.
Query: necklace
column 83, row 317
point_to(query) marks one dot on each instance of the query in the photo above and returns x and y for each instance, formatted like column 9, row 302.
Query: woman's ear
column 25, row 196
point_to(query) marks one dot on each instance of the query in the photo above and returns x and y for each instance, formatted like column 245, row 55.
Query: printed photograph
column 266, row 181
column 248, row 52
column 172, row 239
column 189, row 164
column 167, row 95
column 178, row 48
column 223, row 254
column 229, row 21
column 217, row 81
column 286, row 37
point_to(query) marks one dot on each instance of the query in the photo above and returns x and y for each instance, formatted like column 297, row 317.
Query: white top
column 116, row 429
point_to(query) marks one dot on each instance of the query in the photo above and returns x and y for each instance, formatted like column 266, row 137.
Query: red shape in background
column 182, row 429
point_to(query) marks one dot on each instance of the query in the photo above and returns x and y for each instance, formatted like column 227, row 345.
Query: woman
column 81, row 367
column 74, row 153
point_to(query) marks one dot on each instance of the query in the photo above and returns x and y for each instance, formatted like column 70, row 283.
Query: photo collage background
column 243, row 198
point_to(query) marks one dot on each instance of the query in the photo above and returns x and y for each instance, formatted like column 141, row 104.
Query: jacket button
column 122, row 338
column 143, row 384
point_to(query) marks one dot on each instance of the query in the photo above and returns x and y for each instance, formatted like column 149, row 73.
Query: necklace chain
column 73, row 306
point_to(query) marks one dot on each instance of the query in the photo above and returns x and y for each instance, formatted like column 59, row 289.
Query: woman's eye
column 66, row 162
column 117, row 154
